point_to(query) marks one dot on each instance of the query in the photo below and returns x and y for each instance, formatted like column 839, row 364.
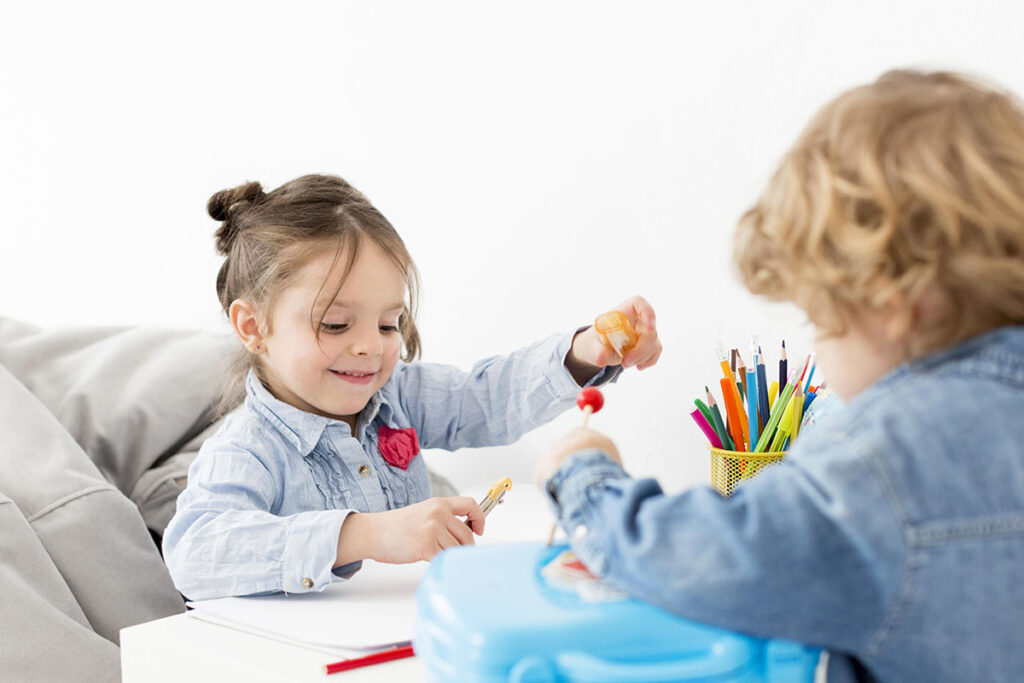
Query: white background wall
column 543, row 161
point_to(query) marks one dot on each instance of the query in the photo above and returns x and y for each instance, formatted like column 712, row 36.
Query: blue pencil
column 752, row 405
column 809, row 376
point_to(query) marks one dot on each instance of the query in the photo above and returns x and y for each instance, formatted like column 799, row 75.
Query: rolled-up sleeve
column 223, row 541
column 777, row 558
column 497, row 401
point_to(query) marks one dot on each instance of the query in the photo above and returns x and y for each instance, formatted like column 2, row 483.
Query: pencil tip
column 783, row 343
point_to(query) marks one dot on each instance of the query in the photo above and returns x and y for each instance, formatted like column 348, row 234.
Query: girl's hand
column 589, row 353
column 577, row 440
column 409, row 534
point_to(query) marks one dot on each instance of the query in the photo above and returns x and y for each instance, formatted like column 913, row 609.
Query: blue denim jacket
column 267, row 495
column 892, row 535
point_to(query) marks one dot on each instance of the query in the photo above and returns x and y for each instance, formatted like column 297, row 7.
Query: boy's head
column 897, row 215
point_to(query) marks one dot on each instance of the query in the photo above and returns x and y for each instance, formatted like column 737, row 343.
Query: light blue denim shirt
column 892, row 535
column 267, row 495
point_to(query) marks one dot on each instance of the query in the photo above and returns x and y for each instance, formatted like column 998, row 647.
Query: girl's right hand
column 410, row 534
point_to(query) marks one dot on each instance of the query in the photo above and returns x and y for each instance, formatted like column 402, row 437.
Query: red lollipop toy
column 590, row 400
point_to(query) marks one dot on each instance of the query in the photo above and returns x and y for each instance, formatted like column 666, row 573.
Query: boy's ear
column 927, row 308
column 899, row 318
column 245, row 321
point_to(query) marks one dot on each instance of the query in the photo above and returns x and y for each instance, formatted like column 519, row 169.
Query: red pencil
column 375, row 658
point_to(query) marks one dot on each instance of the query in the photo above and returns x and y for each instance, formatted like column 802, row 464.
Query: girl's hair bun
column 225, row 205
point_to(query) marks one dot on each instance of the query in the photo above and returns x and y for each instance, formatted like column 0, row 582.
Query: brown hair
column 909, row 184
column 268, row 237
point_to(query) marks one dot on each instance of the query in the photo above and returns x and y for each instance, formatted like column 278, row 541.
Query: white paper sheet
column 376, row 608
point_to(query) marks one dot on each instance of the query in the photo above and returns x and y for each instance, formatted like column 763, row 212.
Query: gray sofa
column 97, row 428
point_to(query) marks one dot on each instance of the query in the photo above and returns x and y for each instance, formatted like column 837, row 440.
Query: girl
column 893, row 534
column 320, row 469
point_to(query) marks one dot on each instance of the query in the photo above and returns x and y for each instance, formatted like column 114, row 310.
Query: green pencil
column 718, row 423
column 780, row 407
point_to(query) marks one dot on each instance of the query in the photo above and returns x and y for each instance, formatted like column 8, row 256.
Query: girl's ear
column 246, row 322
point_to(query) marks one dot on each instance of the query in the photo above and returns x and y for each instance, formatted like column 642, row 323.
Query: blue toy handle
column 580, row 666
column 786, row 662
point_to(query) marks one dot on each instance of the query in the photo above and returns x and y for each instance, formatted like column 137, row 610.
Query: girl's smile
column 354, row 377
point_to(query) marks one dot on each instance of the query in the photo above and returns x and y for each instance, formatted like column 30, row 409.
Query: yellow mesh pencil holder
column 730, row 468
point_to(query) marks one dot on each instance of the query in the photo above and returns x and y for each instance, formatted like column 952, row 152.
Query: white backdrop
column 542, row 160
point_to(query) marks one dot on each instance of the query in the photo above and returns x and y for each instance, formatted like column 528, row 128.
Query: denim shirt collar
column 304, row 429
column 998, row 353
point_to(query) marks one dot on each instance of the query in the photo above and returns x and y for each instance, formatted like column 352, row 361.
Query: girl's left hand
column 588, row 349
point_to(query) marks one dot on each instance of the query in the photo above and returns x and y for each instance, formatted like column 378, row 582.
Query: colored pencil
column 780, row 405
column 752, row 406
column 783, row 366
column 724, row 362
column 703, row 410
column 706, row 428
column 808, row 385
column 730, row 396
column 716, row 421
column 741, row 375
column 798, row 414
column 773, row 393
column 368, row 660
column 763, row 408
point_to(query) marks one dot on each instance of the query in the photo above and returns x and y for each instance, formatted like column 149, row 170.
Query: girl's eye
column 333, row 328
column 389, row 328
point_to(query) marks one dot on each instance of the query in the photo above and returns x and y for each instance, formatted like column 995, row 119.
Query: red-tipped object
column 592, row 398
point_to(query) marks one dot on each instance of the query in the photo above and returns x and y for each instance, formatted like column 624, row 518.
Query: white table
column 183, row 648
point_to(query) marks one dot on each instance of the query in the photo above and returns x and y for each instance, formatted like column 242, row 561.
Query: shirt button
column 307, row 582
column 580, row 532
column 364, row 470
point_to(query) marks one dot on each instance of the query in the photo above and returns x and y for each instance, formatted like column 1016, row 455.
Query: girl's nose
column 367, row 342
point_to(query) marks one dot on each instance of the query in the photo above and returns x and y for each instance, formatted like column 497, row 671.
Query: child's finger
column 444, row 540
column 646, row 321
column 462, row 533
column 468, row 508
column 647, row 349
column 651, row 358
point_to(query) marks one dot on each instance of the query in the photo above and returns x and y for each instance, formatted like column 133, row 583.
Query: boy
column 893, row 534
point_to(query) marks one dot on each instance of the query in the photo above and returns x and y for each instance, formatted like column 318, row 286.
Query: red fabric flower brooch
column 398, row 446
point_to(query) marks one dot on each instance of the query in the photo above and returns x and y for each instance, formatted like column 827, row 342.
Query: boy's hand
column 589, row 353
column 575, row 441
column 410, row 534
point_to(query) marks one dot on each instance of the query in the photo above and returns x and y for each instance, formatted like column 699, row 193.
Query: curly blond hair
column 909, row 184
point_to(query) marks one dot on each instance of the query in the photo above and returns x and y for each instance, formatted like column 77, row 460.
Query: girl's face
column 359, row 342
column 856, row 359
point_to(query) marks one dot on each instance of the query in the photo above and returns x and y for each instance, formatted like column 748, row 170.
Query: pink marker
column 706, row 428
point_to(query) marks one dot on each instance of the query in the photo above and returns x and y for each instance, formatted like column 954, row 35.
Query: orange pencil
column 729, row 394
column 741, row 412
column 724, row 362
